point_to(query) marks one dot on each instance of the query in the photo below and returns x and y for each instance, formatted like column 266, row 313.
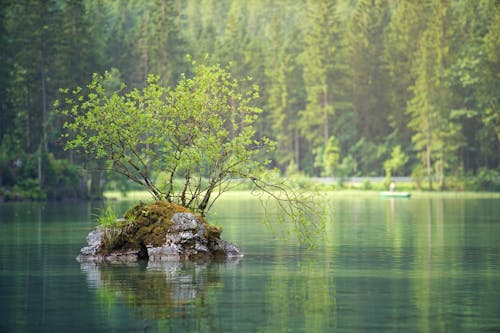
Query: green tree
column 402, row 32
column 368, row 67
column 158, row 34
column 202, row 128
column 369, row 72
column 232, row 45
column 474, row 82
column 205, row 22
column 6, row 113
column 436, row 131
column 395, row 163
column 320, row 51
column 32, row 42
column 200, row 132
column 323, row 72
column 328, row 158
column 284, row 94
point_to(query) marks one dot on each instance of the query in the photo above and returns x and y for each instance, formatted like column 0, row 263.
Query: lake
column 426, row 264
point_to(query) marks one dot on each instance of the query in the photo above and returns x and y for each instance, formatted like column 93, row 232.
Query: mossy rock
column 160, row 231
column 147, row 224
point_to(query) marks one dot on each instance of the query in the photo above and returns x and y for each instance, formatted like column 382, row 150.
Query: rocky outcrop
column 157, row 232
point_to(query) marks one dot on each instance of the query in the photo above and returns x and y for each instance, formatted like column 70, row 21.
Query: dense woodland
column 348, row 87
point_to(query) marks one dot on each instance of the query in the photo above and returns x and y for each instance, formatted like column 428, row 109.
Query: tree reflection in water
column 156, row 290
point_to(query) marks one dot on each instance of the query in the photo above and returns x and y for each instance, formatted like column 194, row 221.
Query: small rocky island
column 160, row 231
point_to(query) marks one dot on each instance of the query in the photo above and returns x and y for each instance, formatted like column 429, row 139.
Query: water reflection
column 155, row 290
column 418, row 265
column 302, row 296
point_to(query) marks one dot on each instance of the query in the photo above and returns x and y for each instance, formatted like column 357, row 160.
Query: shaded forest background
column 348, row 87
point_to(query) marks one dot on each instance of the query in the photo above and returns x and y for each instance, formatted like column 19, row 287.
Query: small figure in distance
column 392, row 187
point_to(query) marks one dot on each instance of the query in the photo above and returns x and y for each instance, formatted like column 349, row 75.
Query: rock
column 94, row 243
column 149, row 235
column 221, row 247
column 184, row 222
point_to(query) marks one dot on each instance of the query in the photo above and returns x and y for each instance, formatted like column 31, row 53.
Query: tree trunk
column 95, row 185
column 204, row 203
column 39, row 168
column 44, row 105
column 296, row 139
column 428, row 146
column 96, row 181
column 326, row 130
column 43, row 148
column 441, row 173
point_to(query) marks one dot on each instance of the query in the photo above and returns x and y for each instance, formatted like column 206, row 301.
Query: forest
column 347, row 87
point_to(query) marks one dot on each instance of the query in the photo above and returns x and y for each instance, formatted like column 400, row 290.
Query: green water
column 427, row 264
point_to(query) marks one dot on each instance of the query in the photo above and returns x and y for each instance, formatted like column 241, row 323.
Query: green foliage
column 395, row 163
column 284, row 94
column 365, row 156
column 348, row 167
column 373, row 74
column 116, row 182
column 108, row 217
column 63, row 180
column 327, row 158
column 7, row 173
column 322, row 47
column 201, row 131
column 28, row 189
column 19, row 175
column 368, row 65
column 301, row 213
column 366, row 185
column 487, row 180
column 429, row 108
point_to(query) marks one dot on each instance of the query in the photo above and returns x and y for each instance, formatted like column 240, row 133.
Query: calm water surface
column 427, row 264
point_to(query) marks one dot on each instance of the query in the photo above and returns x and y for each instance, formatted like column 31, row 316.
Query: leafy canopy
column 199, row 137
column 201, row 132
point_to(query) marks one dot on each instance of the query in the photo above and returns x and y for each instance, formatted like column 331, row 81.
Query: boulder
column 157, row 232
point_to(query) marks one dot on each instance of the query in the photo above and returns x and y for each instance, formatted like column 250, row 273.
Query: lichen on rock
column 161, row 231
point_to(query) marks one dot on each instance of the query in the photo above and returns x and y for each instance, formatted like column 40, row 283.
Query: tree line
column 347, row 88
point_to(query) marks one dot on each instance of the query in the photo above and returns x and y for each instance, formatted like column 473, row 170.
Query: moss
column 147, row 224
column 212, row 231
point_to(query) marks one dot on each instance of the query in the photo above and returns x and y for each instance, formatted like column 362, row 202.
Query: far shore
column 144, row 195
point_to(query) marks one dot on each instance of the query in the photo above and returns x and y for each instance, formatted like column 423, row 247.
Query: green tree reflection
column 157, row 291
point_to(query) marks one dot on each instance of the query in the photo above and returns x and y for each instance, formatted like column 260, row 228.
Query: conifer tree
column 437, row 136
column 322, row 44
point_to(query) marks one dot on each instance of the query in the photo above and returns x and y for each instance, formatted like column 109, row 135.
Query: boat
column 393, row 194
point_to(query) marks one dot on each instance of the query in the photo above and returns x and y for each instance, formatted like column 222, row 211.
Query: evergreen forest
column 347, row 87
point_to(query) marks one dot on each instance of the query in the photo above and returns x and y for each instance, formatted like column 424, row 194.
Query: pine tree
column 474, row 81
column 370, row 81
column 284, row 93
column 437, row 137
column 321, row 70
